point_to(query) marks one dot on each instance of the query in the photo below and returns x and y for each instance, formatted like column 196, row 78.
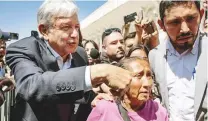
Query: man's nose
column 120, row 45
column 74, row 33
column 184, row 27
column 88, row 52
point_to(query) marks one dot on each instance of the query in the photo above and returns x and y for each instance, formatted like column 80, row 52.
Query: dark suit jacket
column 41, row 85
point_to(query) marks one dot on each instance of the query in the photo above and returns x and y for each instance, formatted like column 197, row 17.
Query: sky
column 21, row 16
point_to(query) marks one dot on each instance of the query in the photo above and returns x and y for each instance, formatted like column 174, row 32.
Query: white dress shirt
column 180, row 82
column 66, row 65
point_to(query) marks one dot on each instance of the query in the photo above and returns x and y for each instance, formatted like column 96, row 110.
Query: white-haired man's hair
column 51, row 9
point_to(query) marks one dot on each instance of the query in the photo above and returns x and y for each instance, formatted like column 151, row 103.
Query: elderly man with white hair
column 51, row 73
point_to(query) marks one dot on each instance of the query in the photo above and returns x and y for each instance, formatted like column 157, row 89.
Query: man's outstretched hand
column 116, row 78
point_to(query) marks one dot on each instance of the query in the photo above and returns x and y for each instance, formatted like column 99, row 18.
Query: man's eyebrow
column 114, row 41
column 192, row 14
column 178, row 17
column 68, row 24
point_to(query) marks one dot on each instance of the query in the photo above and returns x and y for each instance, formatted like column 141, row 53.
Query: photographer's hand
column 125, row 29
column 145, row 38
column 139, row 31
column 150, row 37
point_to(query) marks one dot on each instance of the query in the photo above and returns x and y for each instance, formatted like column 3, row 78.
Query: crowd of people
column 142, row 75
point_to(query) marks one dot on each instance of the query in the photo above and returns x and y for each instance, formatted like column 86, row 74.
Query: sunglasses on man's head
column 109, row 31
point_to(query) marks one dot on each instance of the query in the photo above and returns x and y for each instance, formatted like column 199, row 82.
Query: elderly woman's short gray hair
column 51, row 9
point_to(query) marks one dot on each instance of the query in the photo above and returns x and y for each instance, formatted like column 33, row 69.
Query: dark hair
column 124, row 63
column 130, row 35
column 138, row 47
column 166, row 4
column 109, row 31
column 80, row 38
column 94, row 44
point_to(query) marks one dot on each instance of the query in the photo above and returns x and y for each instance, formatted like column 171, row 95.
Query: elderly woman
column 136, row 101
column 88, row 46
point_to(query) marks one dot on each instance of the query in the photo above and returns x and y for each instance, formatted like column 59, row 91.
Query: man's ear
column 104, row 48
column 43, row 30
column 201, row 14
column 161, row 24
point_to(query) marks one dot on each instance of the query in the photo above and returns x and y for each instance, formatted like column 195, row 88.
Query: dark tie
column 65, row 111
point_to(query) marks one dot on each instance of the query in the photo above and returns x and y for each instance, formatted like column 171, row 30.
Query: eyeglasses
column 109, row 31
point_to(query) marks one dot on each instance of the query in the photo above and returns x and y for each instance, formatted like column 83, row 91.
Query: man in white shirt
column 180, row 62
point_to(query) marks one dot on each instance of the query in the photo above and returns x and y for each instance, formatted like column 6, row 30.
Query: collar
column 58, row 57
column 171, row 49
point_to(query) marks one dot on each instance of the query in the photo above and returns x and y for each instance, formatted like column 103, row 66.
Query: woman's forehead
column 138, row 65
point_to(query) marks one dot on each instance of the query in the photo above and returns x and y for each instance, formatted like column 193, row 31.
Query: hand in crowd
column 103, row 88
column 147, row 32
column 150, row 34
column 104, row 92
column 101, row 96
column 139, row 29
column 116, row 84
column 115, row 77
column 1, row 98
column 205, row 4
column 125, row 30
column 6, row 83
column 126, row 103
